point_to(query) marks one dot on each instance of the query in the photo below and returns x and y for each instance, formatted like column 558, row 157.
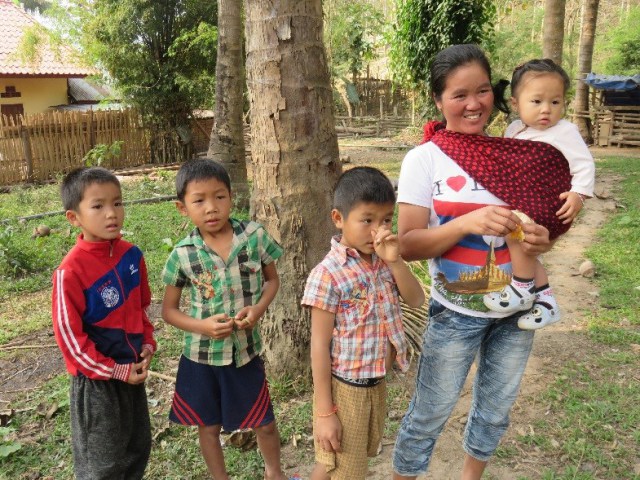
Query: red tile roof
column 50, row 62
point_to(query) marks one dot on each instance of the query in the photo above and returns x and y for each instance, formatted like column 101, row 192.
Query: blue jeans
column 451, row 343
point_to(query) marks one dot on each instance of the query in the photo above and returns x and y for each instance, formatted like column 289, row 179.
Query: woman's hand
column 536, row 239
column 491, row 220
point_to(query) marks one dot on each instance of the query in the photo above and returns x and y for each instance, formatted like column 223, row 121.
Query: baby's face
column 539, row 100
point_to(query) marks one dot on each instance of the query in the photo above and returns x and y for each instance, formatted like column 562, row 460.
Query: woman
column 447, row 216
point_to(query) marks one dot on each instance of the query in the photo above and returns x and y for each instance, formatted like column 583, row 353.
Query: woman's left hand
column 536, row 239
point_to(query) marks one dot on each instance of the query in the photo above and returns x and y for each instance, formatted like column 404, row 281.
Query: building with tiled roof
column 31, row 86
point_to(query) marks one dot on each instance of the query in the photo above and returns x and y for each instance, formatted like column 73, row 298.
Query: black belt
column 360, row 382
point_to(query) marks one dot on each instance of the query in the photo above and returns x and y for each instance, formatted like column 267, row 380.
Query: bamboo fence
column 617, row 126
column 38, row 147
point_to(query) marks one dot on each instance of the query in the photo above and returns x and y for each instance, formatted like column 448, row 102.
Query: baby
column 538, row 89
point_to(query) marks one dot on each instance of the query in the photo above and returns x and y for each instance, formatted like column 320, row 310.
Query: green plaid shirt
column 219, row 287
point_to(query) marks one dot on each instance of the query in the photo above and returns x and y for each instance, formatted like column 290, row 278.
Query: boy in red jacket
column 100, row 297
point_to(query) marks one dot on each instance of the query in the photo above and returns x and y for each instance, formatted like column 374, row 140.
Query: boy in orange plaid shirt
column 356, row 324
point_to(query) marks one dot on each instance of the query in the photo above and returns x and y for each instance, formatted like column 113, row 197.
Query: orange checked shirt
column 365, row 301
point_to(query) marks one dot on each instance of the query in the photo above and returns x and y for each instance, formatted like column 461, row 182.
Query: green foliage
column 621, row 45
column 7, row 446
column 39, row 6
column 517, row 39
column 427, row 26
column 152, row 49
column 15, row 262
column 102, row 154
column 353, row 31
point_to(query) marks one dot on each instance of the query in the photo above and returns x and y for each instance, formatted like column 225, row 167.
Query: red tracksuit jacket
column 100, row 297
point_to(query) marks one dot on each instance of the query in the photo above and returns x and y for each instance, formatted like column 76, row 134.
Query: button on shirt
column 216, row 286
column 364, row 298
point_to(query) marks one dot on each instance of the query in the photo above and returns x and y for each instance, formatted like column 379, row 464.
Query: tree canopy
column 622, row 45
column 160, row 54
column 352, row 32
column 424, row 27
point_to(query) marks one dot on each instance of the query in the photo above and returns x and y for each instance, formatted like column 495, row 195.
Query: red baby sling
column 527, row 175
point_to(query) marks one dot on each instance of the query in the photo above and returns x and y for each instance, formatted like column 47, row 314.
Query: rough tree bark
column 226, row 143
column 585, row 59
column 295, row 159
column 553, row 30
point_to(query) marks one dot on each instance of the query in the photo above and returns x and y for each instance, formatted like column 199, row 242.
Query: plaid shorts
column 361, row 411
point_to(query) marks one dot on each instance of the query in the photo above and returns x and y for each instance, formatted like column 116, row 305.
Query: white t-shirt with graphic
column 475, row 265
column 566, row 137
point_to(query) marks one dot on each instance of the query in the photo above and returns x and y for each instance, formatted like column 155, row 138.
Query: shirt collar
column 100, row 249
column 342, row 252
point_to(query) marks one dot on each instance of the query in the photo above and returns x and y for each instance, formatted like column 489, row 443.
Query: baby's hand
column 218, row 326
column 386, row 245
column 572, row 205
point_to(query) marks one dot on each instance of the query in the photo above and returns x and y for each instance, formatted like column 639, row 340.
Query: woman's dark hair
column 447, row 60
column 538, row 66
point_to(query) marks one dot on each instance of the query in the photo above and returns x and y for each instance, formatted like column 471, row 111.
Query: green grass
column 616, row 256
column 591, row 429
column 594, row 411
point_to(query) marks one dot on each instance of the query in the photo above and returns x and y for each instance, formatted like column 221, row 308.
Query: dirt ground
column 26, row 370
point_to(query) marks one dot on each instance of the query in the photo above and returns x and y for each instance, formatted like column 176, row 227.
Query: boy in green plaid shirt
column 228, row 266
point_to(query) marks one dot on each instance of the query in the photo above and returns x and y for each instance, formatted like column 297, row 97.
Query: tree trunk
column 553, row 30
column 226, row 143
column 295, row 157
column 585, row 58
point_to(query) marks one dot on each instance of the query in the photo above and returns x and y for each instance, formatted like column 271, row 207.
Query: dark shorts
column 233, row 397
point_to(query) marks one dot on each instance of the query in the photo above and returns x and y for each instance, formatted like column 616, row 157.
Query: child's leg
column 545, row 310
column 269, row 445
column 212, row 451
column 520, row 293
column 540, row 275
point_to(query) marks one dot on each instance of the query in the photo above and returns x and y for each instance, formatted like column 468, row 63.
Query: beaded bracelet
column 333, row 410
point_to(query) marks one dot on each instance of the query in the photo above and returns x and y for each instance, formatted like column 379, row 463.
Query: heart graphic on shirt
column 456, row 183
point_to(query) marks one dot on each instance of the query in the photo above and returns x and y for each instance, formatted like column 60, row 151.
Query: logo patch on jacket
column 110, row 296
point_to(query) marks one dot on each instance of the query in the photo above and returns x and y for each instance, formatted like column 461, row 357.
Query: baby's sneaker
column 540, row 316
column 509, row 300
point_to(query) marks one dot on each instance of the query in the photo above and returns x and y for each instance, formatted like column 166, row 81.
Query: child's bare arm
column 410, row 289
column 573, row 203
column 248, row 316
column 328, row 431
column 216, row 326
column 387, row 248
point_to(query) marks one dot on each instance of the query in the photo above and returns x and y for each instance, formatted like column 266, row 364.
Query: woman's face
column 467, row 99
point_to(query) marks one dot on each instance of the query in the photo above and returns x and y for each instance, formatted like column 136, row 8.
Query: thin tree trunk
column 553, row 30
column 295, row 157
column 585, row 59
column 226, row 143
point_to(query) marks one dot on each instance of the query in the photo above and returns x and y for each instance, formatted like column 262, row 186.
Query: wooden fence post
column 26, row 145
